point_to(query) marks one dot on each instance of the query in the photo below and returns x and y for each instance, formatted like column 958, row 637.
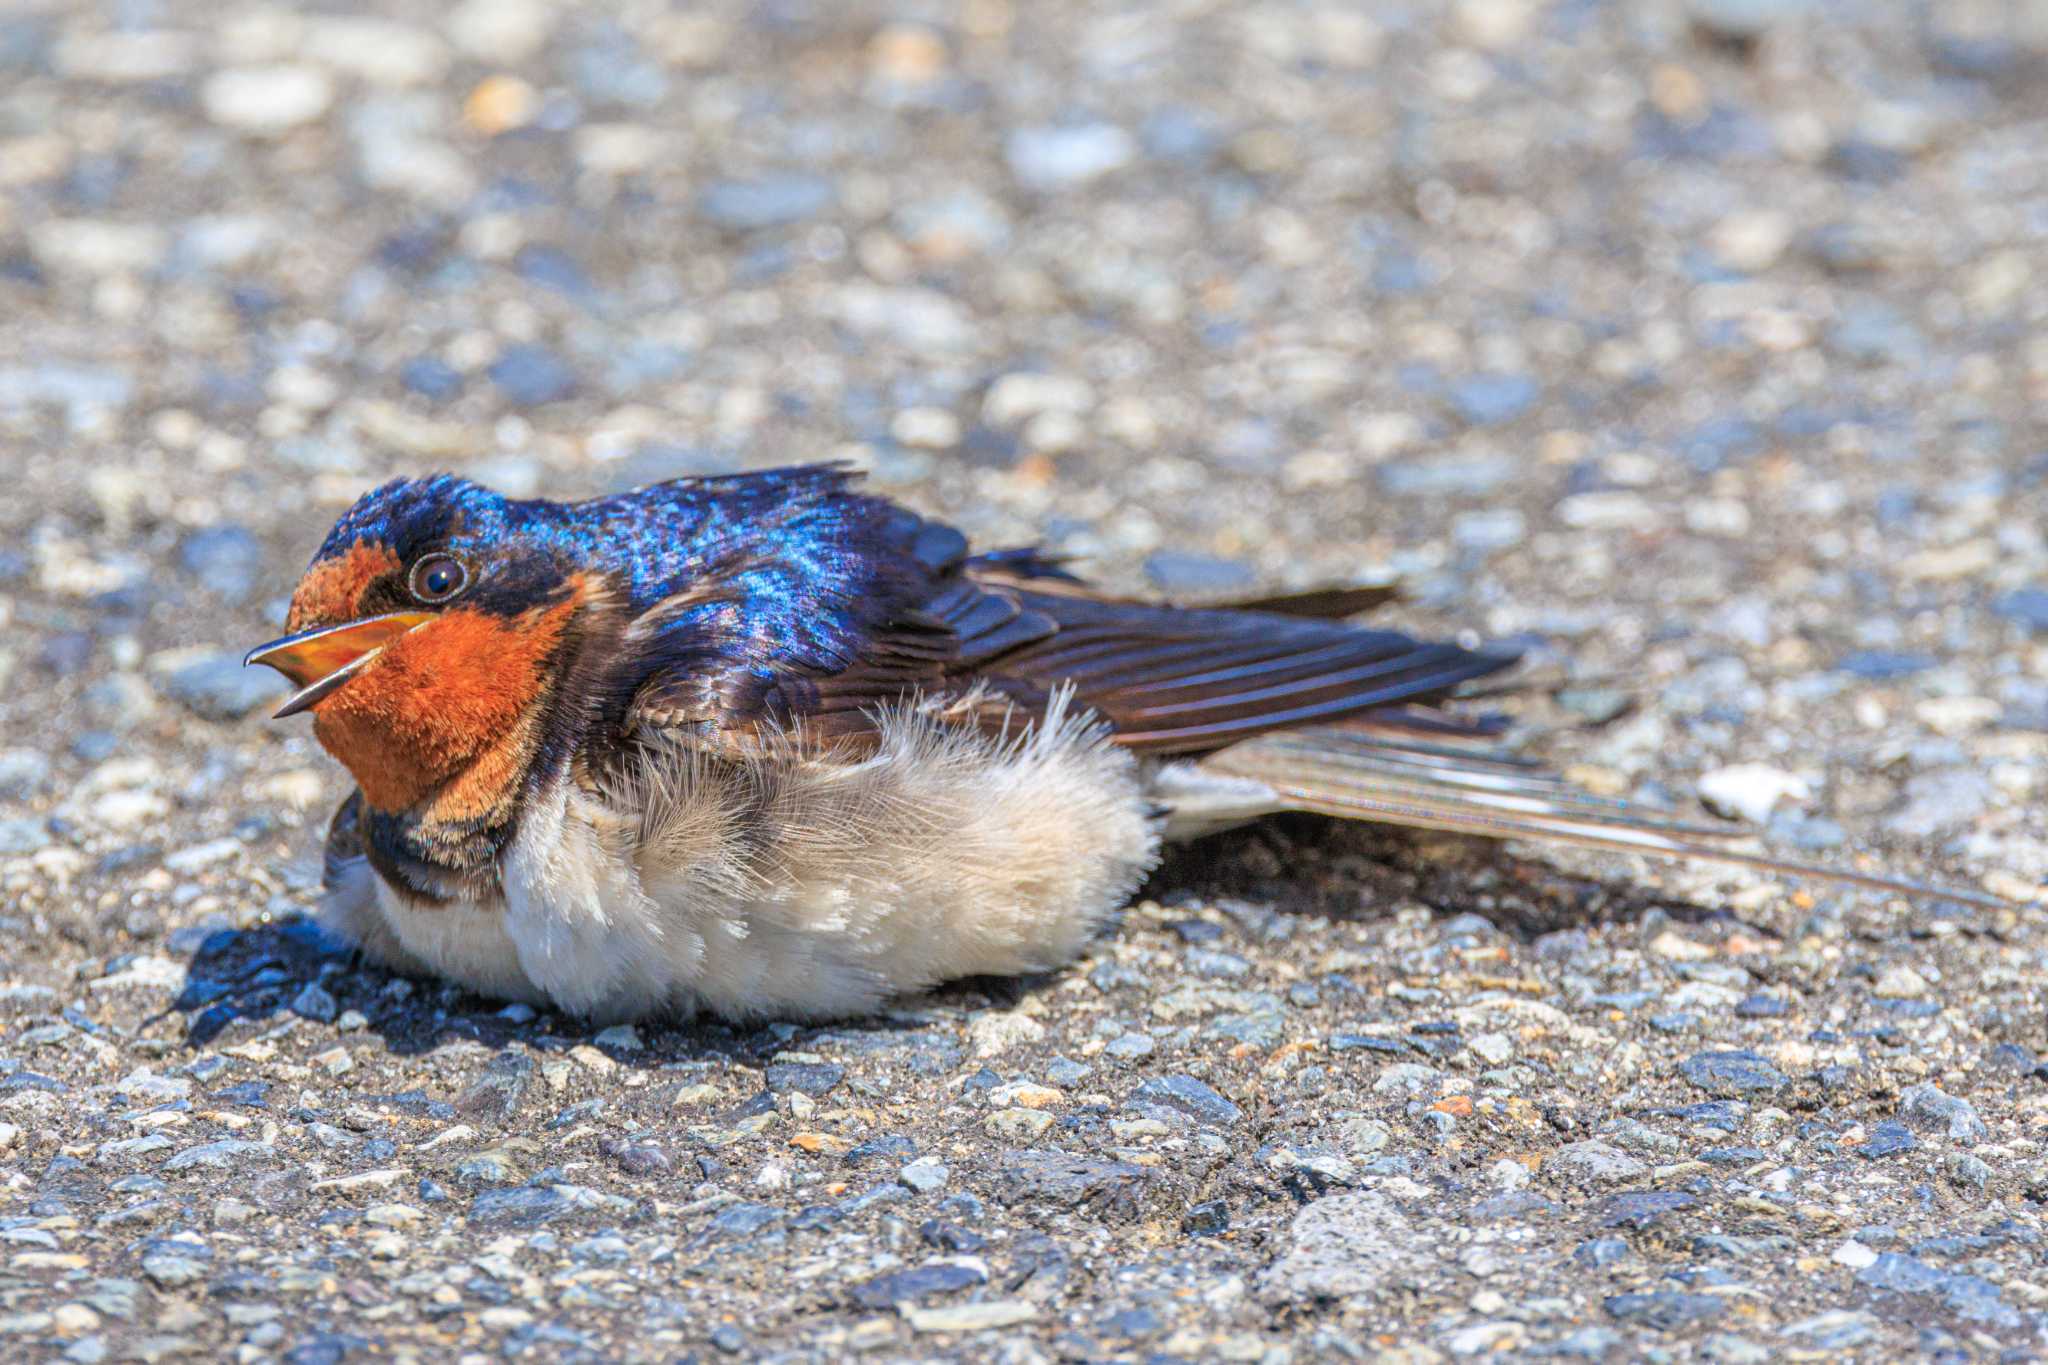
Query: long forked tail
column 1452, row 782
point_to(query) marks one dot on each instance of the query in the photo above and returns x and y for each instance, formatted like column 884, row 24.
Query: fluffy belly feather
column 788, row 885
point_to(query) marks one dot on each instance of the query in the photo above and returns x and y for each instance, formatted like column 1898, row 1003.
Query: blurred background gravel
column 1697, row 347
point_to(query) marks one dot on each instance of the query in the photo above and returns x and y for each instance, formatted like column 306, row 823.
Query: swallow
column 769, row 745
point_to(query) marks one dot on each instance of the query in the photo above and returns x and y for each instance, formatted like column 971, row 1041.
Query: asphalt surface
column 1698, row 349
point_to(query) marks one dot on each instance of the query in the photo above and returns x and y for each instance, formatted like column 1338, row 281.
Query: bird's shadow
column 250, row 985
column 1353, row 870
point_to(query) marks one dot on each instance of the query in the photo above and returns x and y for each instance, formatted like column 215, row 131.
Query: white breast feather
column 794, row 886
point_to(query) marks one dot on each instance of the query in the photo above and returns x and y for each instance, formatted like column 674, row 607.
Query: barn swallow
column 768, row 745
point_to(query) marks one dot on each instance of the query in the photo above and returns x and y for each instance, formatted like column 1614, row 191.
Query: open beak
column 319, row 661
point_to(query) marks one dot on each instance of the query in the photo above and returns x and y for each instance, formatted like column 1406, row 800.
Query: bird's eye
column 437, row 578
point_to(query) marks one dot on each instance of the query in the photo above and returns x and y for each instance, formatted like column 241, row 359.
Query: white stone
column 1594, row 1163
column 995, row 1032
column 619, row 148
column 1751, row 791
column 1022, row 395
column 1611, row 510
column 1724, row 517
column 1054, row 432
column 219, row 241
column 126, row 56
column 1495, row 1049
column 921, row 320
column 267, row 101
column 93, row 246
column 926, row 428
column 1900, row 982
column 189, row 860
column 1752, row 240
column 1957, row 715
column 378, row 50
column 502, row 31
column 970, row 1317
column 1064, row 156
column 161, row 973
column 424, row 168
column 1405, row 1078
column 126, row 809
column 1494, row 25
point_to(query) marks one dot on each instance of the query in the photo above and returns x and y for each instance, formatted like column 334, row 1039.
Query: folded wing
column 843, row 604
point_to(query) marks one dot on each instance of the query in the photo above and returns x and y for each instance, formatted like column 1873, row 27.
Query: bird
column 768, row 745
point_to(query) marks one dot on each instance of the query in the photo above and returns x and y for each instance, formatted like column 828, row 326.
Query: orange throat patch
column 447, row 717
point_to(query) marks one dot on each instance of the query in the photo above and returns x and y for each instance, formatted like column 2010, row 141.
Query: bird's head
column 426, row 637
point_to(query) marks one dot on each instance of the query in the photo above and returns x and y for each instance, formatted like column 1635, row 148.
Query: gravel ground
column 1696, row 347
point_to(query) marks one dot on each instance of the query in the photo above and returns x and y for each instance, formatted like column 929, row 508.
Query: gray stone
column 227, row 560
column 1944, row 800
column 809, row 1078
column 889, row 1146
column 1895, row 1272
column 1836, row 1330
column 496, row 1093
column 1874, row 333
column 1349, row 1245
column 1485, row 400
column 173, row 1264
column 2028, row 606
column 532, row 1206
column 773, row 201
column 1454, row 474
column 1495, row 528
column 737, row 1222
column 1062, row 1071
column 314, row 1002
column 219, row 688
column 26, row 835
column 119, row 701
column 1050, row 158
column 1189, row 1096
column 530, row 375
column 1731, row 1074
column 1215, row 964
column 1594, row 1163
column 1266, row 1028
column 1589, row 1343
column 23, row 773
column 1976, row 1299
column 221, row 1154
column 1642, row 1208
column 917, row 1284
column 1927, row 1108
column 958, row 221
column 1664, row 1310
column 1887, row 1139
column 78, row 389
column 1072, row 1183
column 1129, row 1047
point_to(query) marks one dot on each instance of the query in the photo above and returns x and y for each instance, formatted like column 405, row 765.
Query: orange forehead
column 332, row 590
